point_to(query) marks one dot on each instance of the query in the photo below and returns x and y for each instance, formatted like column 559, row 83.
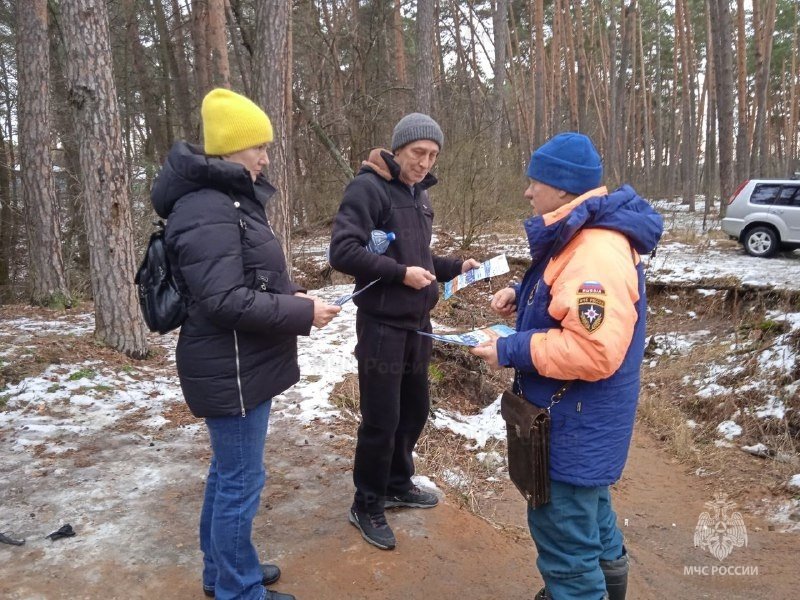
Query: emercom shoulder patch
column 591, row 311
column 591, row 287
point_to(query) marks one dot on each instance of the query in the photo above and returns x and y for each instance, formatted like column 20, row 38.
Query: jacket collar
column 623, row 210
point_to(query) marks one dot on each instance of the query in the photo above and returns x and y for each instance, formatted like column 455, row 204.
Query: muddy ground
column 445, row 553
column 137, row 537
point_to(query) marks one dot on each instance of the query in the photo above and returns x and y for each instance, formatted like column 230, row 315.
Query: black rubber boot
column 616, row 574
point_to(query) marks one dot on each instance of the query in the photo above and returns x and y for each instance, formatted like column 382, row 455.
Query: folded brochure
column 474, row 337
column 494, row 266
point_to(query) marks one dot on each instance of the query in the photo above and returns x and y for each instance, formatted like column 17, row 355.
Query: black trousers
column 393, row 383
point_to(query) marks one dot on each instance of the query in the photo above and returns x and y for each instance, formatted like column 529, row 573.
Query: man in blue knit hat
column 577, row 352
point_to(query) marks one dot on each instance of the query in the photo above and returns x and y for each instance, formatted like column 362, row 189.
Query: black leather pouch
column 528, row 431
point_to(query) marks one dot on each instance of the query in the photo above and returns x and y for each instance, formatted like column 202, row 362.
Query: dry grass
column 669, row 397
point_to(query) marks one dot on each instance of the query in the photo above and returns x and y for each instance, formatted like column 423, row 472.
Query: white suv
column 764, row 215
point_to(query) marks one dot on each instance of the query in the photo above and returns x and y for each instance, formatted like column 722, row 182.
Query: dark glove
column 62, row 532
column 4, row 539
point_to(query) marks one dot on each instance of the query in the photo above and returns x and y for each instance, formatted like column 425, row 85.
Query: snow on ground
column 67, row 406
column 481, row 427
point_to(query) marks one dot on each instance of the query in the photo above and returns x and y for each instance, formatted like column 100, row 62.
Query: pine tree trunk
column 425, row 92
column 720, row 24
column 539, row 80
column 688, row 144
column 202, row 69
column 48, row 281
column 500, row 25
column 7, row 224
column 272, row 82
column 792, row 132
column 93, row 98
column 217, row 39
column 401, row 70
column 743, row 126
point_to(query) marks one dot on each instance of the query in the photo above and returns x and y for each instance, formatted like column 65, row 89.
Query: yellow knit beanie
column 232, row 122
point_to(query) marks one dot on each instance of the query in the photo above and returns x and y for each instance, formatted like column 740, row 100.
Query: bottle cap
column 390, row 236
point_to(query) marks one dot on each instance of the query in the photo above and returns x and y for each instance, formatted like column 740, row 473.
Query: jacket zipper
column 423, row 249
column 238, row 376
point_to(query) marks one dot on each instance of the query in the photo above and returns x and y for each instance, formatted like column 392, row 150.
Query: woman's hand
column 488, row 352
column 504, row 302
column 323, row 312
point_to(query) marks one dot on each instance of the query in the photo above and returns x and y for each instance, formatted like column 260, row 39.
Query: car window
column 789, row 196
column 764, row 193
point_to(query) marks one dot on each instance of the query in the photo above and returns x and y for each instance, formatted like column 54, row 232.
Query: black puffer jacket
column 377, row 199
column 238, row 345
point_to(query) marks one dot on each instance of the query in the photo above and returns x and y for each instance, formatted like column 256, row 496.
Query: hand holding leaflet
column 347, row 297
column 494, row 266
column 473, row 338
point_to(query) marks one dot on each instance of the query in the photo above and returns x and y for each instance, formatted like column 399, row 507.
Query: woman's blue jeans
column 573, row 533
column 233, row 489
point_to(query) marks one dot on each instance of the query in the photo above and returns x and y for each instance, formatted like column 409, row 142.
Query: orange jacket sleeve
column 594, row 290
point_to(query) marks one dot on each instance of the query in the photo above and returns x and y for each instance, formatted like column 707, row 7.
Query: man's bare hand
column 504, row 302
column 418, row 278
column 323, row 312
column 469, row 264
column 488, row 352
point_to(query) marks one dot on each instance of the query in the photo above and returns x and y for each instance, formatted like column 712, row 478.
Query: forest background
column 684, row 98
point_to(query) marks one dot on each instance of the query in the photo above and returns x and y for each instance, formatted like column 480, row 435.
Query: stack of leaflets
column 475, row 337
column 492, row 267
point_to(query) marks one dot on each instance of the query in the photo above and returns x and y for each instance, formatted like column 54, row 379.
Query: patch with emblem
column 591, row 287
column 592, row 311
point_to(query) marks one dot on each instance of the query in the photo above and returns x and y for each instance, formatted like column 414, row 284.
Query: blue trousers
column 572, row 533
column 233, row 489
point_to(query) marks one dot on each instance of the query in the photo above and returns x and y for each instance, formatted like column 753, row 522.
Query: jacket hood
column 622, row 210
column 188, row 169
column 382, row 163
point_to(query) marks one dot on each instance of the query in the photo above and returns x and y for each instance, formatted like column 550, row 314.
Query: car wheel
column 761, row 242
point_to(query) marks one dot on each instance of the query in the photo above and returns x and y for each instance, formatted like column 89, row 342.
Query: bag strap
column 554, row 399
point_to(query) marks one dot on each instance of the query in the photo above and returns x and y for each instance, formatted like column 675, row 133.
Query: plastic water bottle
column 379, row 241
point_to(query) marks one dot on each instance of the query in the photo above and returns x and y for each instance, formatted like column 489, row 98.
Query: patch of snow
column 758, row 449
column 455, row 478
column 729, row 429
column 481, row 427
column 794, row 482
column 427, row 483
column 773, row 409
column 712, row 390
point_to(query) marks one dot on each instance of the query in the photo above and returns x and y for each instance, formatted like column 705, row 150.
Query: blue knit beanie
column 568, row 162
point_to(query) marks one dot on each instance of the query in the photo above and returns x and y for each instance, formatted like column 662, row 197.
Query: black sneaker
column 413, row 498
column 373, row 528
column 271, row 574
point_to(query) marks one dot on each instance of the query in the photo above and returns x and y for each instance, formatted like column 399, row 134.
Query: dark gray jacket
column 377, row 199
column 238, row 346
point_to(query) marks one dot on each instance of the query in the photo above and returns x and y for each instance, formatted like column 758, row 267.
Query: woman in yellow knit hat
column 238, row 346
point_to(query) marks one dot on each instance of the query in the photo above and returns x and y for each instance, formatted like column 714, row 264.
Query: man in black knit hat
column 390, row 194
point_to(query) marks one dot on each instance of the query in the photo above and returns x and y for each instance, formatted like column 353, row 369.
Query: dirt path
column 445, row 553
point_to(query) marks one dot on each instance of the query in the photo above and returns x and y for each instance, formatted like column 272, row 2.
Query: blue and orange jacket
column 581, row 311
